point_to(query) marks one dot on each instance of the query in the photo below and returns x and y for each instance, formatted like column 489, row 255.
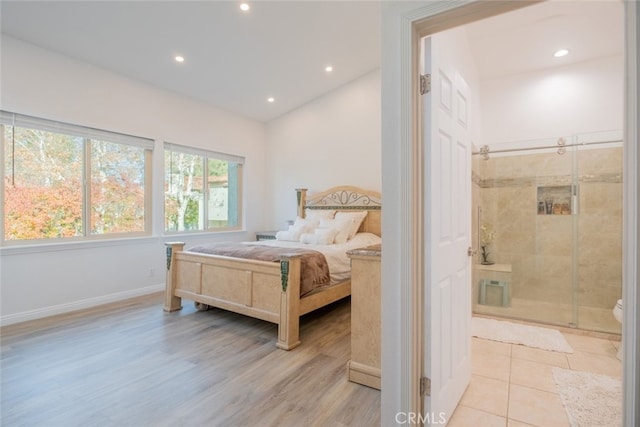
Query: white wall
column 333, row 140
column 42, row 280
column 580, row 98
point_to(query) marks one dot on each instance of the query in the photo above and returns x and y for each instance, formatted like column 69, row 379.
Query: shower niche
column 555, row 200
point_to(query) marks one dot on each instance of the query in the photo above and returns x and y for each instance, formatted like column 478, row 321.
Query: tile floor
column 512, row 385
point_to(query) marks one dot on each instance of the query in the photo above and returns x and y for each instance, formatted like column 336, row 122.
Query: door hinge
column 425, row 83
column 425, row 386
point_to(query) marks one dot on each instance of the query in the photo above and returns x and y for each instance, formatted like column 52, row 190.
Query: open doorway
column 546, row 209
column 409, row 172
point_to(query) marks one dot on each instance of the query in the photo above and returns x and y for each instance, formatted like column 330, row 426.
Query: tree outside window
column 43, row 184
column 60, row 184
column 201, row 191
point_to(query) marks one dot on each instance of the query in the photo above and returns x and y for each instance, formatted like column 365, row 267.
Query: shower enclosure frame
column 565, row 178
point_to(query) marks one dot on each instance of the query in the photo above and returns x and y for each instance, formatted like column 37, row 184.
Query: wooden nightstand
column 266, row 235
column 364, row 366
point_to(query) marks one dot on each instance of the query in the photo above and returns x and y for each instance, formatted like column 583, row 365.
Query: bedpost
column 301, row 193
column 289, row 326
column 172, row 302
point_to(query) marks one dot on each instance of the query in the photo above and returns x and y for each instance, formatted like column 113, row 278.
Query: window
column 202, row 189
column 66, row 181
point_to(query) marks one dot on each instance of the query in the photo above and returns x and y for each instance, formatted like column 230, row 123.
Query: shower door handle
column 471, row 251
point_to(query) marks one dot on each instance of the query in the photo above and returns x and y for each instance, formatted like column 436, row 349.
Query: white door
column 447, row 295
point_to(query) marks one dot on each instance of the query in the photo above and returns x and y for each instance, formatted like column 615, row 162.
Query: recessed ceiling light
column 561, row 53
column 271, row 99
column 328, row 68
column 179, row 58
column 245, row 7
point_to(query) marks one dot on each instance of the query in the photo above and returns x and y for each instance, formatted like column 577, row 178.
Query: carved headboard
column 345, row 198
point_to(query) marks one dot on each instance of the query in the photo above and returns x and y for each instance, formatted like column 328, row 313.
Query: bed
column 271, row 290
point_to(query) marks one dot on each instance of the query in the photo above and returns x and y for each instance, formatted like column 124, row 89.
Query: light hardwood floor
column 131, row 364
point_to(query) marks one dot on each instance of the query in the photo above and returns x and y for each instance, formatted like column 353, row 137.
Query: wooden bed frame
column 265, row 290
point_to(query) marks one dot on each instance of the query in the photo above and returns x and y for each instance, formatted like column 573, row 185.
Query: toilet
column 617, row 313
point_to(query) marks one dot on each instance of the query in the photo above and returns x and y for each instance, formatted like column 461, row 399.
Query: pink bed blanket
column 314, row 269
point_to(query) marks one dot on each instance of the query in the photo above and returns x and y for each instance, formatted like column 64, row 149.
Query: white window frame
column 88, row 134
column 206, row 155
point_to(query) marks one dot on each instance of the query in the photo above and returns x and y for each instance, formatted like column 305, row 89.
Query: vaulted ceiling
column 235, row 60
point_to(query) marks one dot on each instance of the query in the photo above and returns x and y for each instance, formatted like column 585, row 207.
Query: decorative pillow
column 319, row 214
column 309, row 239
column 302, row 226
column 341, row 225
column 284, row 235
column 306, row 222
column 326, row 236
column 355, row 218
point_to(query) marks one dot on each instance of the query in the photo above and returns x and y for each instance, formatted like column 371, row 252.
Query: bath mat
column 589, row 399
column 515, row 333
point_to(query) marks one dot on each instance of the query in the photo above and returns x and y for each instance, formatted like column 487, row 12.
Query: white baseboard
column 78, row 305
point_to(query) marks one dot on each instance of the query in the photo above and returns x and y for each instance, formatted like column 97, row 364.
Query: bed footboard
column 172, row 302
column 265, row 290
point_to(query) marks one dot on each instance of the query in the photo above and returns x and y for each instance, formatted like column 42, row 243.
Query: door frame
column 403, row 25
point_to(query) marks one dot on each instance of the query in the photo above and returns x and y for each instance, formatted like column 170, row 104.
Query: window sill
column 19, row 249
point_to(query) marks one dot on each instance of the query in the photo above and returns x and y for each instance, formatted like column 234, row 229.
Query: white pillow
column 306, row 222
column 355, row 218
column 342, row 226
column 326, row 236
column 284, row 235
column 309, row 239
column 302, row 226
column 319, row 214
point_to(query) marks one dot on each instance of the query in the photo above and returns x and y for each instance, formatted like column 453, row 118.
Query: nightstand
column 266, row 235
column 364, row 366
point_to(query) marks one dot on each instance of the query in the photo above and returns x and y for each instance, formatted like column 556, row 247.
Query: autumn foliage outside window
column 65, row 184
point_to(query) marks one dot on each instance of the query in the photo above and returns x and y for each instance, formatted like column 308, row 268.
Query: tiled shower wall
column 541, row 248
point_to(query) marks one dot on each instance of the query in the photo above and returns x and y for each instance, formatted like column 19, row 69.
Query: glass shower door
column 599, row 261
column 548, row 230
column 525, row 221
